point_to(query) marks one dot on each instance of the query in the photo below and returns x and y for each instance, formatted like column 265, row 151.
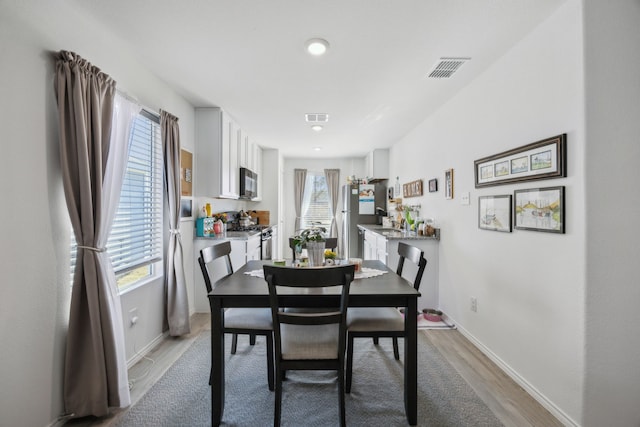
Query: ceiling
column 247, row 56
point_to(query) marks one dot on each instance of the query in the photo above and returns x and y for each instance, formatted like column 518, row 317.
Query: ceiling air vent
column 445, row 67
column 317, row 117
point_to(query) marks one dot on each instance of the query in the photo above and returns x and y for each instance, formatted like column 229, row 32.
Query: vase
column 315, row 251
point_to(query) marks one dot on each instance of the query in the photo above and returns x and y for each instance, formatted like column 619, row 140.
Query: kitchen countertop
column 397, row 234
column 231, row 235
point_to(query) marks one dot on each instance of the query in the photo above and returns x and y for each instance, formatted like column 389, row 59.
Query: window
column 135, row 242
column 316, row 209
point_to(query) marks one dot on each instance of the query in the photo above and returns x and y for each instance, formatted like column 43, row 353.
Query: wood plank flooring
column 507, row 400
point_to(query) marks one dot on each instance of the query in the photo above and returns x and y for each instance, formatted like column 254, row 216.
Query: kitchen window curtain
column 94, row 127
column 299, row 180
column 175, row 282
column 332, row 176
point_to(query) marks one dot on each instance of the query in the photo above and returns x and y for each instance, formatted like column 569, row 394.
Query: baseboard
column 146, row 349
column 530, row 389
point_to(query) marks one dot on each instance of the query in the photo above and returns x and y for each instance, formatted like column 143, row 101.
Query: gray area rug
column 182, row 397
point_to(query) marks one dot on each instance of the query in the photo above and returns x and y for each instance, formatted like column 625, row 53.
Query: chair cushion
column 309, row 342
column 363, row 319
column 248, row 318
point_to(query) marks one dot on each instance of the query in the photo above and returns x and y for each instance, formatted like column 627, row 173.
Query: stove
column 234, row 226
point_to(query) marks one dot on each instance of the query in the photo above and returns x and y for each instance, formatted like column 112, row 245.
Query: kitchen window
column 135, row 242
column 316, row 209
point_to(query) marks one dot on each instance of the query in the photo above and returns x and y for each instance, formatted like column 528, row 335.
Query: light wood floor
column 508, row 401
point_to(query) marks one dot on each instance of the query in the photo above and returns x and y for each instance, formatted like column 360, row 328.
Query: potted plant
column 314, row 240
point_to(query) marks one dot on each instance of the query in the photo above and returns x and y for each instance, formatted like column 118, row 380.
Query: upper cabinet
column 377, row 163
column 217, row 170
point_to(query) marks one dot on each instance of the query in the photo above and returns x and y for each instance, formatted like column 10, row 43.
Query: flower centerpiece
column 314, row 240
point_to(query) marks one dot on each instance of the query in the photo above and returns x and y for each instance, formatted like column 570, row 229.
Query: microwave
column 248, row 184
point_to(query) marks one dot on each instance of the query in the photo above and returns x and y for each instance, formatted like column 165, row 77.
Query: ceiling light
column 317, row 128
column 317, row 47
column 317, row 148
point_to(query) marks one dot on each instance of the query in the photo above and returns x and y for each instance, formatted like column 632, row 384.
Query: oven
column 266, row 249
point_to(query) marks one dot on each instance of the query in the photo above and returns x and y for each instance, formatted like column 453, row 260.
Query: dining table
column 246, row 288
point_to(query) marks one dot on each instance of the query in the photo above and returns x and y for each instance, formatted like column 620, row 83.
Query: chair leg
column 349, row 368
column 234, row 343
column 278, row 399
column 270, row 367
column 396, row 353
column 375, row 340
column 343, row 422
column 252, row 339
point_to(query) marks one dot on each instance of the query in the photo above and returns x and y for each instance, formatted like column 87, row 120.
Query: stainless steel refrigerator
column 359, row 203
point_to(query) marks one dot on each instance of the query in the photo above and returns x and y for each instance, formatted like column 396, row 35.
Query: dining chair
column 308, row 340
column 382, row 322
column 330, row 243
column 239, row 321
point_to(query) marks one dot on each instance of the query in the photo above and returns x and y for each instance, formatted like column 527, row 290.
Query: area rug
column 182, row 397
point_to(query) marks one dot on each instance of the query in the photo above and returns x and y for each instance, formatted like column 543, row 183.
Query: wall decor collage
column 536, row 209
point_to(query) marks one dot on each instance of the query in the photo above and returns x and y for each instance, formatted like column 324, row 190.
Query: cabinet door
column 253, row 248
column 229, row 159
column 370, row 246
column 238, row 254
column 381, row 248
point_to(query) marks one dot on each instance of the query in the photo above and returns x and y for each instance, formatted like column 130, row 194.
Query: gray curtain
column 333, row 185
column 175, row 282
column 299, row 179
column 95, row 375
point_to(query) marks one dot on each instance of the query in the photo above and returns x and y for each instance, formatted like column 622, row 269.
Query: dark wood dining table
column 386, row 290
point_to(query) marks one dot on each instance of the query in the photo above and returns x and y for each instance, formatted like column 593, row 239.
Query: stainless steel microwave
column 248, row 184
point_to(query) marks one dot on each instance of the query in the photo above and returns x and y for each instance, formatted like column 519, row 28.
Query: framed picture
column 448, row 184
column 433, row 185
column 540, row 209
column 412, row 189
column 186, row 208
column 540, row 160
column 494, row 213
column 186, row 173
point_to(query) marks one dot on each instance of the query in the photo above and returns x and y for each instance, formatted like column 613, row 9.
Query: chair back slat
column 415, row 255
column 210, row 254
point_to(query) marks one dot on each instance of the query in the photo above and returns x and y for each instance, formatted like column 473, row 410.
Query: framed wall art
column 448, row 184
column 433, row 185
column 540, row 209
column 186, row 208
column 412, row 189
column 540, row 160
column 494, row 213
column 186, row 173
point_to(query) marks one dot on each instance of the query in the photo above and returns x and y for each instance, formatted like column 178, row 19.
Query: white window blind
column 316, row 210
column 135, row 242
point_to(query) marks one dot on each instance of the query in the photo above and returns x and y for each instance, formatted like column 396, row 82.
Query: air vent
column 317, row 117
column 445, row 67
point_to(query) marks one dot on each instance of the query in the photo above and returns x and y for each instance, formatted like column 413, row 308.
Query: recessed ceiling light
column 317, row 128
column 316, row 47
column 317, row 148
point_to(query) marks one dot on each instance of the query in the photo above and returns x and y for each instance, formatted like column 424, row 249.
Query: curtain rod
column 147, row 110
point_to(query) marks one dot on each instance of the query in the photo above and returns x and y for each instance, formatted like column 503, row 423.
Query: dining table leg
column 411, row 362
column 217, row 363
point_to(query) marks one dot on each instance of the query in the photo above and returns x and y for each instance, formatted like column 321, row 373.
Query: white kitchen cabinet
column 377, row 163
column 275, row 243
column 370, row 246
column 381, row 248
column 216, row 154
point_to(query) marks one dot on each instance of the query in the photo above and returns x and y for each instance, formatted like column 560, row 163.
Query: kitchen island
column 381, row 243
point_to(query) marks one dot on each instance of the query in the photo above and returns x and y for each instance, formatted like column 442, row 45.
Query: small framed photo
column 494, row 213
column 448, row 184
column 186, row 208
column 540, row 209
column 433, row 185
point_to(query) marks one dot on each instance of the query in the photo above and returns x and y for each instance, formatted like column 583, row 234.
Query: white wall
column 612, row 388
column 35, row 291
column 529, row 285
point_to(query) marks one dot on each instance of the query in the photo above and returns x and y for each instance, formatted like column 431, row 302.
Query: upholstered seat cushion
column 309, row 342
column 248, row 318
column 374, row 319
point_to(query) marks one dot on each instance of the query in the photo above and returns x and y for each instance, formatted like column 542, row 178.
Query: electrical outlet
column 474, row 304
column 133, row 317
